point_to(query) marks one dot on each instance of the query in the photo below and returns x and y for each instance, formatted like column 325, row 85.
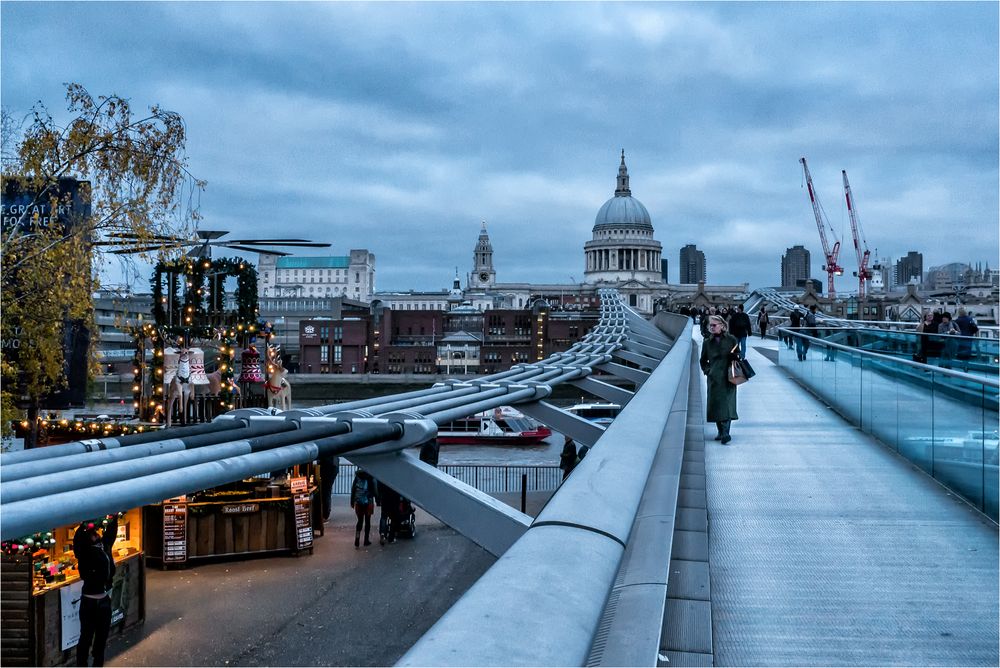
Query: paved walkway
column 337, row 607
column 826, row 548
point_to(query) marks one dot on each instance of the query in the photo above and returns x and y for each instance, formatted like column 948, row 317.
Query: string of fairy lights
column 200, row 314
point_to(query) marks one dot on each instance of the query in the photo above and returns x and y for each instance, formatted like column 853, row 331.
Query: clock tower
column 483, row 274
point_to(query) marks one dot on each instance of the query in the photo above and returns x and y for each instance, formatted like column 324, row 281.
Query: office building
column 692, row 265
column 349, row 276
column 795, row 266
column 910, row 269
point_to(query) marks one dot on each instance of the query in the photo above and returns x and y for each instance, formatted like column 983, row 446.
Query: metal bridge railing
column 489, row 478
column 942, row 420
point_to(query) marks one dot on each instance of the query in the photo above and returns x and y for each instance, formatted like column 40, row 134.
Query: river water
column 545, row 453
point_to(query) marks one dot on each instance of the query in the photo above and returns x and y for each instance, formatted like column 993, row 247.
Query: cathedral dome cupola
column 623, row 247
column 623, row 209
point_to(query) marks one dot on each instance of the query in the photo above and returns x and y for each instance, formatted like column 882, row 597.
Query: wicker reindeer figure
column 179, row 388
column 276, row 387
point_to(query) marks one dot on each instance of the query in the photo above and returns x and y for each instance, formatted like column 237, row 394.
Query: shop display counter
column 40, row 590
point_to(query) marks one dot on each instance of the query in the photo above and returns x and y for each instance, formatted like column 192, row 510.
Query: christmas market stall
column 41, row 588
column 268, row 514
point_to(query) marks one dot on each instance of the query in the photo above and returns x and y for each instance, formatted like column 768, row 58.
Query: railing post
column 524, row 491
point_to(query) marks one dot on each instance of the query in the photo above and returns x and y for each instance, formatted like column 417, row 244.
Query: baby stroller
column 407, row 519
column 406, row 527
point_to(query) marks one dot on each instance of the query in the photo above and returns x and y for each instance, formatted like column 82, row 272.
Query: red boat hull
column 534, row 437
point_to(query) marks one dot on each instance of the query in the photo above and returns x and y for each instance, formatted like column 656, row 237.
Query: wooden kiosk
column 40, row 594
column 253, row 516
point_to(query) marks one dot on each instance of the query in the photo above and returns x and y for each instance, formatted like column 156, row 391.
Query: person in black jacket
column 97, row 569
column 329, row 467
column 568, row 458
column 389, row 523
column 364, row 498
column 740, row 327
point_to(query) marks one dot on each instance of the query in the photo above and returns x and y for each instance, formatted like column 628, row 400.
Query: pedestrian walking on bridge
column 763, row 320
column 364, row 496
column 741, row 328
column 717, row 352
column 569, row 457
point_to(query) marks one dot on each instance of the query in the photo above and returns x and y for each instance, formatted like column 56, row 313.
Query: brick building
column 461, row 341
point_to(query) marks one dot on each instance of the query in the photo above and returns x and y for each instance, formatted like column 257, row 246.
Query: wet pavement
column 339, row 606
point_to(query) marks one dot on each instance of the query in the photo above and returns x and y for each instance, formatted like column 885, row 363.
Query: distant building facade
column 692, row 265
column 461, row 341
column 622, row 254
column 350, row 276
column 286, row 313
column 795, row 266
column 114, row 313
column 910, row 269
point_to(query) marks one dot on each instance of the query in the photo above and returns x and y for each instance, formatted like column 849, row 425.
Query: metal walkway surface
column 826, row 548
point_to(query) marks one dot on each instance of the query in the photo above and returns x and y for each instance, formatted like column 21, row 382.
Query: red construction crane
column 831, row 267
column 862, row 273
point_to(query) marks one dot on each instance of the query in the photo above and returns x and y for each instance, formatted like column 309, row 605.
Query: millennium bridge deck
column 827, row 548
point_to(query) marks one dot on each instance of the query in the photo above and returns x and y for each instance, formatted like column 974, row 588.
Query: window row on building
column 462, row 341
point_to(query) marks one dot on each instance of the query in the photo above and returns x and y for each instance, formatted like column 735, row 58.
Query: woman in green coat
column 717, row 351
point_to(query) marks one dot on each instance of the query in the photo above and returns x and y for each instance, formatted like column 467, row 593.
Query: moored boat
column 501, row 426
column 601, row 414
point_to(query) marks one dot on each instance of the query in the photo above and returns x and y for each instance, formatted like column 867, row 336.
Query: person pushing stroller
column 397, row 516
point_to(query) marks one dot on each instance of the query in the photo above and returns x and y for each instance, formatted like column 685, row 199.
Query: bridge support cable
column 661, row 344
column 587, row 522
column 643, row 349
column 637, row 376
column 88, row 459
column 580, row 429
column 644, row 362
column 62, row 481
column 107, row 443
column 606, row 391
column 442, row 404
column 21, row 517
column 517, row 395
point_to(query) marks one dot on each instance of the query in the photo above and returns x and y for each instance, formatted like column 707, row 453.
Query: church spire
column 622, row 190
column 483, row 274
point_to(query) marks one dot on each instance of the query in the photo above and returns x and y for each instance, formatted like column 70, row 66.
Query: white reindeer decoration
column 179, row 388
column 276, row 387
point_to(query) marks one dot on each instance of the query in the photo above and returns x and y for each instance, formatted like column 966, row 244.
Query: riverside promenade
column 337, row 607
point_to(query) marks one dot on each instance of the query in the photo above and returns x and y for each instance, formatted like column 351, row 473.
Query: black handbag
column 747, row 369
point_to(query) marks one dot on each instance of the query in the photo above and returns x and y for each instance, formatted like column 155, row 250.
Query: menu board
column 303, row 521
column 175, row 530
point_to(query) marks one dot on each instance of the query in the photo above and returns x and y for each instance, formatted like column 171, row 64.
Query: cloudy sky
column 399, row 127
